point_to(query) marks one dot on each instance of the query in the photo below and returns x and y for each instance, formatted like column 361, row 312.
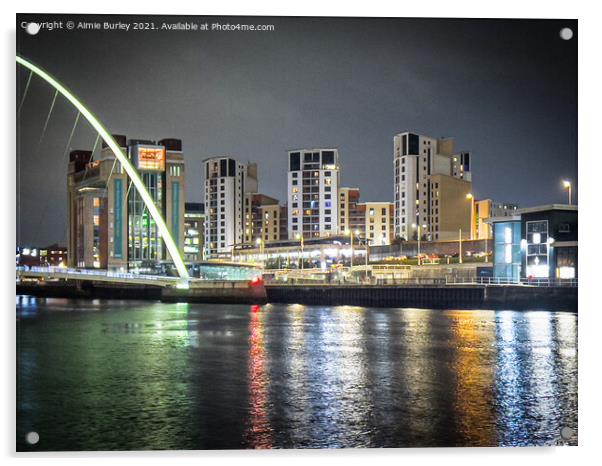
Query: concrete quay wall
column 220, row 292
column 429, row 296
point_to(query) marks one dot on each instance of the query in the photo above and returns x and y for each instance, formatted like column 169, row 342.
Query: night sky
column 504, row 89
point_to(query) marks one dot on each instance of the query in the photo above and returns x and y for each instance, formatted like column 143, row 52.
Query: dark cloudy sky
column 504, row 89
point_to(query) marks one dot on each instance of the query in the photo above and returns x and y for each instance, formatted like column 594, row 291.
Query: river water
column 124, row 375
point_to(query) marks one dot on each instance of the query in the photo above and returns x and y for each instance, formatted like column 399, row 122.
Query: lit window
column 536, row 238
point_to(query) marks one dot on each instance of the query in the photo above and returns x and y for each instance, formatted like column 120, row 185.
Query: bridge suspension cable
column 131, row 171
column 68, row 145
column 24, row 93
column 56, row 93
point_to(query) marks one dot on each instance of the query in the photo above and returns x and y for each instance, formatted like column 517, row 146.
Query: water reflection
column 344, row 392
column 415, row 382
column 134, row 375
column 510, row 393
column 259, row 432
column 473, row 341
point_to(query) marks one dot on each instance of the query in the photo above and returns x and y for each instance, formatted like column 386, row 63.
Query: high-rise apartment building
column 227, row 182
column 313, row 189
column 109, row 225
column 418, row 196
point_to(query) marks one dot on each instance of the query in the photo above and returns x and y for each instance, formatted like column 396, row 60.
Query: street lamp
column 567, row 185
column 470, row 197
column 419, row 237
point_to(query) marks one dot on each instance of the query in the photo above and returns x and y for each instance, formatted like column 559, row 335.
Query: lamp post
column 567, row 185
column 470, row 197
column 460, row 243
column 419, row 235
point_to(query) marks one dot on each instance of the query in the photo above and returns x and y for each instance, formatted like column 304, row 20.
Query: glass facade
column 144, row 241
column 507, row 250
column 96, row 231
column 224, row 272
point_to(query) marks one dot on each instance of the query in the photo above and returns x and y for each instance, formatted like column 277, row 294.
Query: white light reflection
column 543, row 379
column 417, row 372
column 567, row 373
column 509, row 377
column 327, row 389
column 345, row 339
column 297, row 386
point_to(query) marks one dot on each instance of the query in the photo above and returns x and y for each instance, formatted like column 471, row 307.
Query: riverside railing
column 96, row 273
column 489, row 281
column 544, row 282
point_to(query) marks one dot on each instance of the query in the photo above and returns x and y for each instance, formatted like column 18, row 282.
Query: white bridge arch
column 123, row 159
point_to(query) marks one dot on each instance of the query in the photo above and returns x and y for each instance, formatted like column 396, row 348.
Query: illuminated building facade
column 49, row 256
column 378, row 222
column 416, row 160
column 87, row 181
column 268, row 227
column 318, row 253
column 256, row 228
column 263, row 218
column 536, row 242
column 313, row 188
column 227, row 182
column 549, row 240
column 350, row 218
column 507, row 248
column 109, row 226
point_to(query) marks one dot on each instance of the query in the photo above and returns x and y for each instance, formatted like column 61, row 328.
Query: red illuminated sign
column 151, row 158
